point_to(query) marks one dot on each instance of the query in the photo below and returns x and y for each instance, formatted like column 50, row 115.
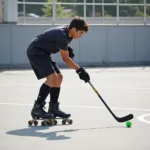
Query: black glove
column 83, row 74
column 71, row 54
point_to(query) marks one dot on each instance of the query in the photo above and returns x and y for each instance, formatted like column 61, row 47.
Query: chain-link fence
column 94, row 11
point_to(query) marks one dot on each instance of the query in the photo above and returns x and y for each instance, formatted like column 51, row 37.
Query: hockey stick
column 122, row 119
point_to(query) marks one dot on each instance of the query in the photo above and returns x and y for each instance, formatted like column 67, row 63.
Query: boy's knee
column 60, row 77
column 52, row 80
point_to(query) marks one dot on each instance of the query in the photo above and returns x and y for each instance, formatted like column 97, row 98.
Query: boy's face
column 77, row 34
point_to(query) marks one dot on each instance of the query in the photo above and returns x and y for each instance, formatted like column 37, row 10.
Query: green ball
column 128, row 124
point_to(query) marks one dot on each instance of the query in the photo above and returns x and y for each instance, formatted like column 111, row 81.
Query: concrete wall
column 102, row 45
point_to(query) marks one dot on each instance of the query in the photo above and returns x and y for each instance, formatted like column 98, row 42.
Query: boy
column 39, row 52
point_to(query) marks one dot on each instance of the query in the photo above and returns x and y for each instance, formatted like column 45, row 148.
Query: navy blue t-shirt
column 50, row 41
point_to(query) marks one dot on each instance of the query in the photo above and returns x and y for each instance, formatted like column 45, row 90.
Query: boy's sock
column 43, row 93
column 54, row 94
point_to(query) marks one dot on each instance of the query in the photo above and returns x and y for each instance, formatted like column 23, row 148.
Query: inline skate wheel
column 43, row 123
column 55, row 122
column 30, row 123
column 70, row 121
column 48, row 123
column 51, row 121
column 63, row 122
column 35, row 123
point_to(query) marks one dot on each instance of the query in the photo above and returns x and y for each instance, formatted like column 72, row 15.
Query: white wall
column 101, row 45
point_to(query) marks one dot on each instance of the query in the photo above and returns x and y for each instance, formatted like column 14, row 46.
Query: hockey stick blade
column 122, row 119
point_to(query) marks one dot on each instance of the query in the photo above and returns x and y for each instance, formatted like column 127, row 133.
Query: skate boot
column 59, row 114
column 38, row 113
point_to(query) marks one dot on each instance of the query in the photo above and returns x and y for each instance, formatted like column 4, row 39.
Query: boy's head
column 77, row 27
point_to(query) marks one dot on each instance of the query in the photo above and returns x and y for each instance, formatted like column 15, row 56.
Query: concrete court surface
column 125, row 89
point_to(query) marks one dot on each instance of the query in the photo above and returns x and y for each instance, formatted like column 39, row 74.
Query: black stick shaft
column 123, row 119
column 102, row 99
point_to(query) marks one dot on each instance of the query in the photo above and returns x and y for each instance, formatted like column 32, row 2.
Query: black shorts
column 43, row 65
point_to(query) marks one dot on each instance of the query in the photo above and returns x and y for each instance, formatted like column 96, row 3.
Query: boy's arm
column 79, row 70
column 68, row 60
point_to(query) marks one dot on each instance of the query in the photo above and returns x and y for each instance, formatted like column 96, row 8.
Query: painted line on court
column 73, row 106
column 77, row 86
column 142, row 118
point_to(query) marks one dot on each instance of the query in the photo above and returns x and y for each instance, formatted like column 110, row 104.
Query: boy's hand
column 83, row 75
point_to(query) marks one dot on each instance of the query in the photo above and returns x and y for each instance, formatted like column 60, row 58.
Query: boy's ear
column 74, row 29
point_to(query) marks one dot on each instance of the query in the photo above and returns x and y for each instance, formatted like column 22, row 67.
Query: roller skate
column 38, row 113
column 58, row 114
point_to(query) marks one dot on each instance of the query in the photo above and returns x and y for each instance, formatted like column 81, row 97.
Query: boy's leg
column 55, row 90
column 54, row 94
column 42, row 67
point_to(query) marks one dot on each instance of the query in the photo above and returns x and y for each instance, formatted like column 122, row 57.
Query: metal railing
column 97, row 15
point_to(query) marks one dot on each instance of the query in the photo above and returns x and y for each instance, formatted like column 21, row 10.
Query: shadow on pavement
column 2, row 70
column 34, row 131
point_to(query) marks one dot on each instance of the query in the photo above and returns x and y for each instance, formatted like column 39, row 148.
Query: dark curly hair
column 79, row 23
